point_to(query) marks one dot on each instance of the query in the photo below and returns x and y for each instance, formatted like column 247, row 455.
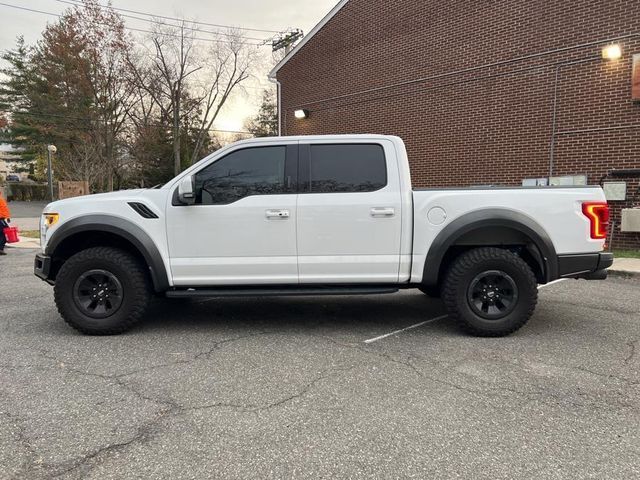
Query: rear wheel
column 102, row 291
column 490, row 292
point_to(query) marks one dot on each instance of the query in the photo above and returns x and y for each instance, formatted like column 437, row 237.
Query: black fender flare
column 123, row 228
column 492, row 217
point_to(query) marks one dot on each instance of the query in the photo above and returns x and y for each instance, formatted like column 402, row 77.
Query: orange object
column 4, row 208
column 11, row 234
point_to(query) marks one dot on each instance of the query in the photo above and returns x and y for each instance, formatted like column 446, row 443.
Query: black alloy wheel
column 492, row 294
column 98, row 293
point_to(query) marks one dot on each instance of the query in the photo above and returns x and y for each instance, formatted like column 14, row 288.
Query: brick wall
column 449, row 77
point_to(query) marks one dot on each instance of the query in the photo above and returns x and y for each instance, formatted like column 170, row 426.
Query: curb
column 623, row 273
column 25, row 243
column 625, row 267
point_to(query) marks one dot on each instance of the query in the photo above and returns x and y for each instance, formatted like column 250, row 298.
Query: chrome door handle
column 383, row 212
column 277, row 214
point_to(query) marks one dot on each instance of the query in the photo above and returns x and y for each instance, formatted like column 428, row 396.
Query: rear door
column 349, row 213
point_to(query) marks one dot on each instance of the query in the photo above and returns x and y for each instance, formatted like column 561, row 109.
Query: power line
column 186, row 27
column 128, row 28
column 180, row 19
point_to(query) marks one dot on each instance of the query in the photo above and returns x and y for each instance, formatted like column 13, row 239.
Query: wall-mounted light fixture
column 302, row 113
column 612, row 52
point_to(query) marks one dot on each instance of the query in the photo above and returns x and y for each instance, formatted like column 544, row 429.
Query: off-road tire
column 459, row 280
column 129, row 272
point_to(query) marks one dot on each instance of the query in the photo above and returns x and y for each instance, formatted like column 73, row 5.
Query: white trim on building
column 306, row 38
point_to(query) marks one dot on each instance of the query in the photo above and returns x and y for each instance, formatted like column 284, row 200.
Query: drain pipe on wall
column 554, row 124
column 279, row 95
column 556, row 88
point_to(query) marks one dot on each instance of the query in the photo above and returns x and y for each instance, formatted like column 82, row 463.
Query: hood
column 119, row 195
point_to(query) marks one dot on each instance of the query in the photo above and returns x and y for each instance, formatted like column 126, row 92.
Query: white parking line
column 551, row 283
column 387, row 335
column 371, row 340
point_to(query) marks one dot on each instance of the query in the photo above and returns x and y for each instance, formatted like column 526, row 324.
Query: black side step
column 278, row 291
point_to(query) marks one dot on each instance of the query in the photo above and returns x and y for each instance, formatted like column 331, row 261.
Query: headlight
column 47, row 221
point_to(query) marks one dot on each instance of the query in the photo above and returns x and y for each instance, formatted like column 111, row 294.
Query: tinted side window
column 347, row 168
column 252, row 171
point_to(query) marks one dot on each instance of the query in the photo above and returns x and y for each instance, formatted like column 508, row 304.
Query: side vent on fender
column 142, row 210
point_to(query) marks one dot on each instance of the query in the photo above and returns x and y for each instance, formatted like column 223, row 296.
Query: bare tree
column 190, row 84
column 226, row 67
column 105, row 72
column 164, row 77
column 79, row 162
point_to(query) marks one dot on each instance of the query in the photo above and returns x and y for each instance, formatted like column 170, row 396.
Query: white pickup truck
column 318, row 215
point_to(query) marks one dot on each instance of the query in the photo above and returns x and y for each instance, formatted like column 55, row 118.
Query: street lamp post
column 51, row 149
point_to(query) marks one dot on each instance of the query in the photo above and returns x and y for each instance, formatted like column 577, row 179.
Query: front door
column 349, row 213
column 242, row 228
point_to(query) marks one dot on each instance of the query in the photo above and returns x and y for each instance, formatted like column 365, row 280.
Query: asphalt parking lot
column 288, row 388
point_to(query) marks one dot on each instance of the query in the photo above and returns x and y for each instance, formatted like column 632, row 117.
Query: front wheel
column 490, row 292
column 102, row 291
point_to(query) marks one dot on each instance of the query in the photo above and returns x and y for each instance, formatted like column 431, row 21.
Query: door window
column 243, row 173
column 347, row 168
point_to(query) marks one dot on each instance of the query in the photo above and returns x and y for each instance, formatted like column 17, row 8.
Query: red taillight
column 598, row 215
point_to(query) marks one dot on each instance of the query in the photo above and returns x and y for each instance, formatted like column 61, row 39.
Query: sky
column 274, row 15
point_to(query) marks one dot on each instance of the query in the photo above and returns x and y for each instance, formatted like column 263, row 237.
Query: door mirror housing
column 186, row 192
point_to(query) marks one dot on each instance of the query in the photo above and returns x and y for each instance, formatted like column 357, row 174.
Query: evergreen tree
column 21, row 128
column 265, row 123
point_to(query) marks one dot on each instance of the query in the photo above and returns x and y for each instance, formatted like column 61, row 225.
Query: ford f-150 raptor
column 318, row 215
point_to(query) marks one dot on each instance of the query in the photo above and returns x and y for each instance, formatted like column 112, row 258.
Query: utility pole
column 283, row 40
column 51, row 149
column 286, row 40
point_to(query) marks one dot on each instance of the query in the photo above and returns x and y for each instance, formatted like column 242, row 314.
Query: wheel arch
column 106, row 230
column 491, row 227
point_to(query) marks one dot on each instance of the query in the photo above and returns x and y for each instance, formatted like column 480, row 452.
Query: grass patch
column 30, row 233
column 626, row 253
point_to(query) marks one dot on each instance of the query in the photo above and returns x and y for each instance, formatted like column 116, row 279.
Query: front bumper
column 42, row 268
column 590, row 266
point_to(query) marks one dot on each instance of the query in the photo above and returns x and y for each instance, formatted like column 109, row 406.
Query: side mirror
column 186, row 193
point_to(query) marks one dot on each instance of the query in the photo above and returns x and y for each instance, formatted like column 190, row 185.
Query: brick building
column 482, row 92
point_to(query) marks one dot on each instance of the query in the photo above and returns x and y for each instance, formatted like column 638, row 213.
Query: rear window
column 347, row 168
